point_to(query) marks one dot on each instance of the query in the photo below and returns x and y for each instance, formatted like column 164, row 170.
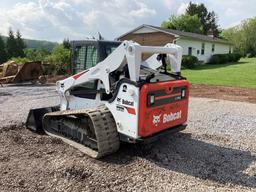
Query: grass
column 240, row 74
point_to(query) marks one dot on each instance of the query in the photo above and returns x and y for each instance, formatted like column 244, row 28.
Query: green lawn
column 241, row 74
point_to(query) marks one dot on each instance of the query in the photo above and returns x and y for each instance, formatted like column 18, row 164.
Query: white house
column 201, row 46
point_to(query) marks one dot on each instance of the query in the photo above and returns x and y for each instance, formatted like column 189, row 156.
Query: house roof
column 178, row 33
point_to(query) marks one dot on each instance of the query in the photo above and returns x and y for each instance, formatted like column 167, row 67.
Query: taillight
column 183, row 93
column 151, row 99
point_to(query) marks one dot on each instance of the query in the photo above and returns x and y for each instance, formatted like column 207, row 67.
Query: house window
column 198, row 52
column 213, row 48
column 190, row 51
column 230, row 49
column 202, row 49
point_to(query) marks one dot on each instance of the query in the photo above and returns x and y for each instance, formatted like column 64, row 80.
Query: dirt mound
column 226, row 93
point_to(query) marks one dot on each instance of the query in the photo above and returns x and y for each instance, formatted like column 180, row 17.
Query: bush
column 60, row 57
column 20, row 60
column 189, row 61
column 225, row 58
column 231, row 57
column 36, row 54
column 49, row 69
column 250, row 55
column 238, row 56
column 215, row 59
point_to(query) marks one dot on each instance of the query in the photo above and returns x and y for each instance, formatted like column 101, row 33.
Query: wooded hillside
column 36, row 44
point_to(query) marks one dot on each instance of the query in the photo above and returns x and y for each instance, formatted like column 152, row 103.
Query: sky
column 55, row 20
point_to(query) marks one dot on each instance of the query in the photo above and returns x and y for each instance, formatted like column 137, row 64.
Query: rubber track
column 105, row 130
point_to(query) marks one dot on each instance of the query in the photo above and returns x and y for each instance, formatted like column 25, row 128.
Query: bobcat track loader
column 121, row 98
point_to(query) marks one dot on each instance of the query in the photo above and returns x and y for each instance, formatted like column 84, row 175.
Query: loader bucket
column 26, row 72
column 29, row 71
column 35, row 118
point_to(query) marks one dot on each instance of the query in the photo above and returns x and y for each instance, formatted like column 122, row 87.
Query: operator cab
column 87, row 53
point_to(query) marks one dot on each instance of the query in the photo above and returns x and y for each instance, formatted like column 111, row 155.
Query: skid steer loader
column 114, row 96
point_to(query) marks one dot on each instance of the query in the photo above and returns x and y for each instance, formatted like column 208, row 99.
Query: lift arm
column 128, row 53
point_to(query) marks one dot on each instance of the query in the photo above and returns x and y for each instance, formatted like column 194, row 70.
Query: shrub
column 224, row 58
column 237, row 56
column 49, row 69
column 231, row 57
column 20, row 60
column 189, row 61
column 60, row 57
column 215, row 59
column 249, row 55
column 234, row 57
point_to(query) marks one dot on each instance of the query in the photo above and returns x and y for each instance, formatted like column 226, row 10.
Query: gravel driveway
column 217, row 152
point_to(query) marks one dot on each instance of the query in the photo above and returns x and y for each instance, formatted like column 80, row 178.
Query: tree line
column 57, row 62
column 243, row 37
column 13, row 47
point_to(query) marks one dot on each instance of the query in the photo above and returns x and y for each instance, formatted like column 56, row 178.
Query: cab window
column 85, row 57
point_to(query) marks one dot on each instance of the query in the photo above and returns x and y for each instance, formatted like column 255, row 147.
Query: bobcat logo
column 156, row 119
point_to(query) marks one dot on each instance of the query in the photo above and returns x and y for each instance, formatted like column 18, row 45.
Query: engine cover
column 162, row 105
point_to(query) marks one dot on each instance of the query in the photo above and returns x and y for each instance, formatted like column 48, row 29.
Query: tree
column 36, row 54
column 20, row 45
column 66, row 43
column 208, row 19
column 184, row 22
column 3, row 54
column 249, row 28
column 11, row 45
column 60, row 57
column 15, row 46
column 236, row 37
column 243, row 37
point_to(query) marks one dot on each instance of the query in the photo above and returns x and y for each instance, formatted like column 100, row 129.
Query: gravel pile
column 215, row 153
